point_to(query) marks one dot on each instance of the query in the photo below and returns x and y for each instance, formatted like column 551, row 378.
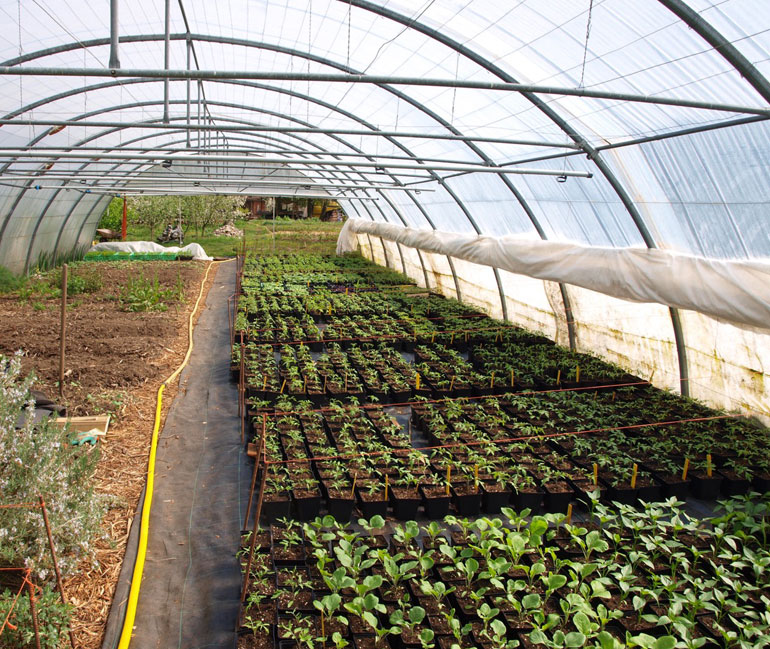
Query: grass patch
column 10, row 283
column 309, row 236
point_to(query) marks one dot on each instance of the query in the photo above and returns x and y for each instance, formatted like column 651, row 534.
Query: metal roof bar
column 291, row 129
column 378, row 79
column 185, row 158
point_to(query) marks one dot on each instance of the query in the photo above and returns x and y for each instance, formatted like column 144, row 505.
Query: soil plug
column 709, row 468
column 596, row 474
column 63, row 332
column 633, row 476
column 686, row 467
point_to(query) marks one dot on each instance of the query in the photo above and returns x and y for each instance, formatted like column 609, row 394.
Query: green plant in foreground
column 52, row 617
column 37, row 460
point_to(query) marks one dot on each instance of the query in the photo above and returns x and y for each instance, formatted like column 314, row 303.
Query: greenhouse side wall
column 727, row 365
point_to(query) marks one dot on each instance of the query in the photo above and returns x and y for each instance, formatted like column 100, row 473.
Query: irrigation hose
column 144, row 529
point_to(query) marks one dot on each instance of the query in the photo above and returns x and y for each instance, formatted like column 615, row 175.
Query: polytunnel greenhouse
column 513, row 394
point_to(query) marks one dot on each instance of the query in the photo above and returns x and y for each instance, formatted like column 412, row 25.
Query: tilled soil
column 115, row 362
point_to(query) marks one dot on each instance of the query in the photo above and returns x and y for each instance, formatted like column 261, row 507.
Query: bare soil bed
column 115, row 362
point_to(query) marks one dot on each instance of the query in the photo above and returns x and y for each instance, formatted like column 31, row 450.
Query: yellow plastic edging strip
column 144, row 530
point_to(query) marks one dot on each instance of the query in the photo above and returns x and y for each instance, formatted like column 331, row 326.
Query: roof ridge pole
column 189, row 81
column 166, row 59
column 114, row 60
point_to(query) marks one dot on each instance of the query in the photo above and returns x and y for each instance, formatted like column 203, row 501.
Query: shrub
column 52, row 618
column 37, row 460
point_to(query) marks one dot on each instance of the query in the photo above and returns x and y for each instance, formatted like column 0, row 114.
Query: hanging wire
column 350, row 9
column 309, row 48
column 585, row 49
column 21, row 87
column 454, row 90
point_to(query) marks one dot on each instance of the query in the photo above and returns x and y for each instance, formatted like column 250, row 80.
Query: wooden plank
column 85, row 424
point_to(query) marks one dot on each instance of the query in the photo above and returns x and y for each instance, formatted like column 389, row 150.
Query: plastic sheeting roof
column 700, row 193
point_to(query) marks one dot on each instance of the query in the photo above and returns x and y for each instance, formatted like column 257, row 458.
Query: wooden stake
column 283, row 385
column 63, row 330
column 686, row 468
column 651, row 375
column 709, row 468
column 346, row 381
column 577, row 374
column 596, row 474
column 448, row 478
column 387, row 484
column 55, row 561
column 512, row 381
column 417, row 380
column 451, row 383
column 492, row 380
column 433, row 337
column 452, row 339
column 558, row 377
column 264, row 382
column 476, row 476
column 633, row 475
column 569, row 514
column 353, row 490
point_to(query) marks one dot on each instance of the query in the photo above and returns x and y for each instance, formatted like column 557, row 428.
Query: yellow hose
column 144, row 529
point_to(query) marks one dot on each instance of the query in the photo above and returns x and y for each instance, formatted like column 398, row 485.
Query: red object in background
column 123, row 224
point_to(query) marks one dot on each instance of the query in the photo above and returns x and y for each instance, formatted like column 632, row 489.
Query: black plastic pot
column 493, row 501
column 733, row 486
column 528, row 500
column 706, row 488
column 308, row 508
column 468, row 504
column 555, row 502
column 372, row 508
column 405, row 509
column 275, row 510
column 436, row 507
column 623, row 495
column 341, row 508
column 650, row 493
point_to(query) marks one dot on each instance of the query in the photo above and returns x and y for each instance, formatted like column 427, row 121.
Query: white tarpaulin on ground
column 194, row 250
column 733, row 291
